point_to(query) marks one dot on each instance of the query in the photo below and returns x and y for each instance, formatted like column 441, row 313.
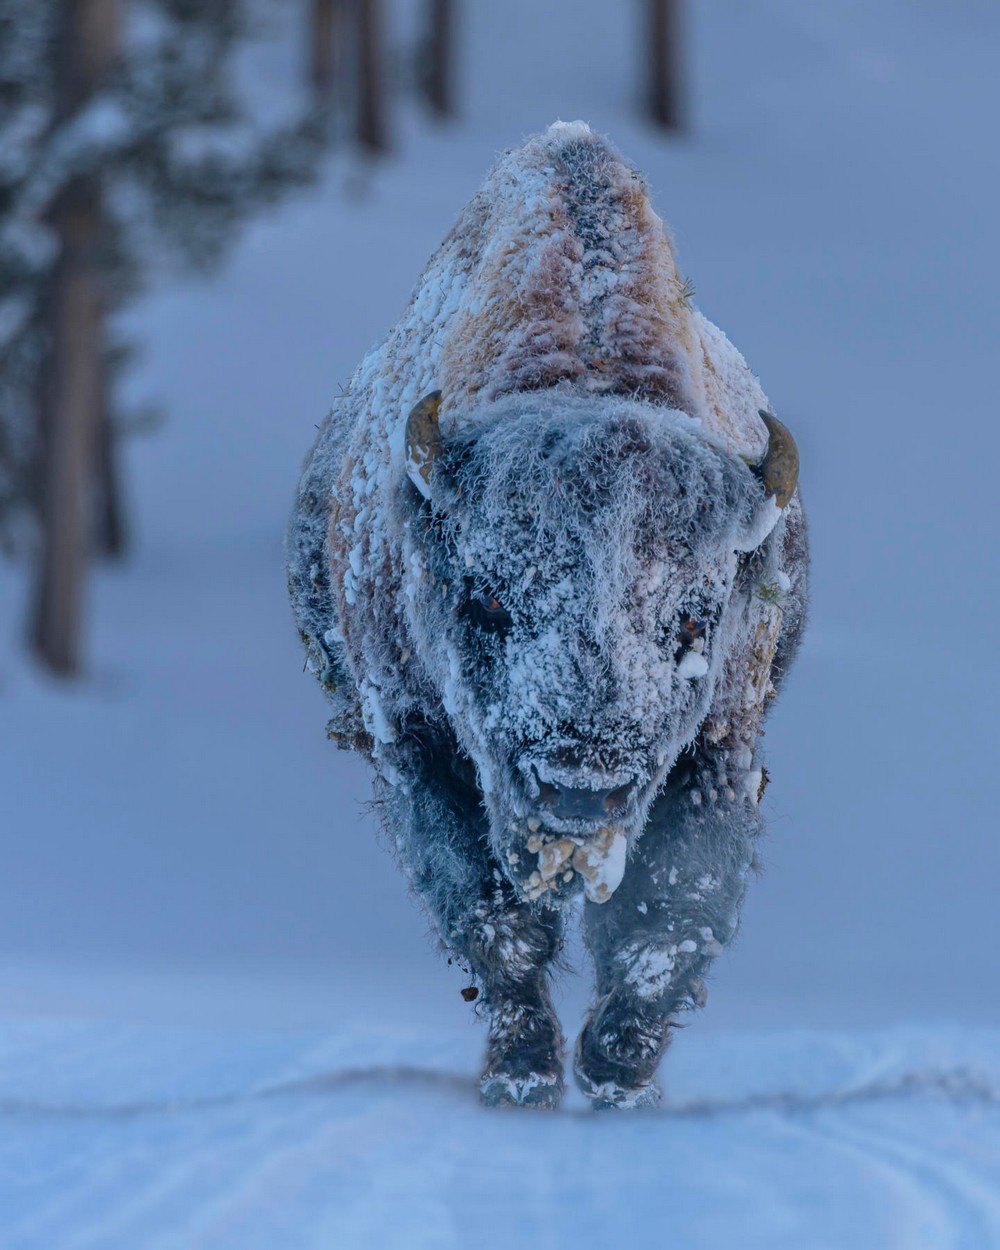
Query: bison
column 548, row 561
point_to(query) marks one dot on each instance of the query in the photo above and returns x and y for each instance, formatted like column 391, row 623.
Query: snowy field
column 127, row 1137
column 222, row 1022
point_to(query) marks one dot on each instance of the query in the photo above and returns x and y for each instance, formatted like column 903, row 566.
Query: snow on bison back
column 548, row 561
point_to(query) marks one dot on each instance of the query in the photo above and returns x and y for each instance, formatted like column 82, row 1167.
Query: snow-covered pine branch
column 158, row 135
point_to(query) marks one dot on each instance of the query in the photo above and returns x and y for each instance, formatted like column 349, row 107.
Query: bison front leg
column 675, row 911
column 441, row 834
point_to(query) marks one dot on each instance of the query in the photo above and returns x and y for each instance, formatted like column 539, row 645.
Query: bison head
column 572, row 568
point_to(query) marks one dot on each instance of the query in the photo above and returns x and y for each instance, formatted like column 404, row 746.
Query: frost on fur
column 554, row 605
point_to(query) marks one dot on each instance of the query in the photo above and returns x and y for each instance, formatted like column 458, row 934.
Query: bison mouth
column 557, row 866
column 573, row 809
column 571, row 830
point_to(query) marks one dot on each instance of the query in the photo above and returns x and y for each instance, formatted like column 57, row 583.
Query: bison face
column 572, row 600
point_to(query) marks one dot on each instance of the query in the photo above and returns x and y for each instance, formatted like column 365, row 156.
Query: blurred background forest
column 128, row 133
column 208, row 211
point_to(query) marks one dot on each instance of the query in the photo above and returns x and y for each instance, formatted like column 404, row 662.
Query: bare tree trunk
column 74, row 398
column 111, row 529
column 372, row 130
column 438, row 77
column 74, row 385
column 664, row 89
column 326, row 40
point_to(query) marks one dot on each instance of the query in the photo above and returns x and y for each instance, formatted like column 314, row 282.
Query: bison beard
column 549, row 563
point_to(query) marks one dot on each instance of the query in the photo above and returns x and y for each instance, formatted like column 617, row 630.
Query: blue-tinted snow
column 217, row 1141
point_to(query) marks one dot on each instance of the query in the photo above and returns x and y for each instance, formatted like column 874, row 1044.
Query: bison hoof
column 540, row 1090
column 523, row 1066
column 610, row 1096
column 617, row 1055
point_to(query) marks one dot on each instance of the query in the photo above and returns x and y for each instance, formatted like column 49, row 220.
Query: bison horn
column 779, row 469
column 423, row 441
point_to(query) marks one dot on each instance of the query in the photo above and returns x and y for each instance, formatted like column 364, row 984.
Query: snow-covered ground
column 169, row 1138
column 221, row 1020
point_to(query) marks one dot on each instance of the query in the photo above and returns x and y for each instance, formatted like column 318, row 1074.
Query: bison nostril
column 546, row 792
column 616, row 800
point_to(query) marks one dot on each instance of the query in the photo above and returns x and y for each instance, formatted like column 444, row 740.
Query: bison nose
column 568, row 802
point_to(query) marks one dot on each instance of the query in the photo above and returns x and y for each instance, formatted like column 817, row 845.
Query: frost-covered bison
column 549, row 563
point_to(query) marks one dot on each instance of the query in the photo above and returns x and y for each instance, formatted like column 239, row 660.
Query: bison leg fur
column 675, row 911
column 441, row 837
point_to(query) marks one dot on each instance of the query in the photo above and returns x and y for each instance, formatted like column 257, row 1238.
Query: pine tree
column 325, row 48
column 664, row 61
column 347, row 69
column 372, row 122
column 437, row 68
column 123, row 136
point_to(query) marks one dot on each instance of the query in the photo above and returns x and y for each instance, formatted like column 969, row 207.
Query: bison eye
column 488, row 613
column 693, row 628
column 690, row 634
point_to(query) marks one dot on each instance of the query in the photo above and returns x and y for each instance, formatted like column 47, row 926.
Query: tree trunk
column 664, row 89
column 111, row 529
column 73, row 387
column 438, row 75
column 73, row 407
column 371, row 77
column 326, row 40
